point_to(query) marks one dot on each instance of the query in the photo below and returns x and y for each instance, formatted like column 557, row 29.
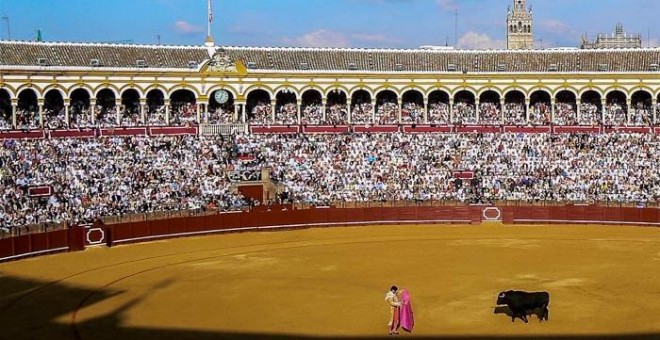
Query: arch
column 464, row 110
column 387, row 107
column 217, row 113
column 5, row 106
column 616, row 108
column 616, row 95
column 443, row 89
column 489, row 95
column 505, row 91
column 125, row 88
column 337, row 106
column 412, row 109
column 80, row 98
column 309, row 92
column 27, row 99
column 80, row 87
column 286, row 88
column 110, row 87
column 355, row 89
column 438, row 112
column 469, row 89
column 153, row 87
column 490, row 90
column 130, row 99
column 515, row 110
column 311, row 109
column 36, row 89
column 614, row 89
column 591, row 90
column 106, row 98
column 180, row 87
column 382, row 89
column 641, row 89
column 361, row 106
column 286, row 107
column 489, row 110
column 590, row 107
column 540, row 89
column 53, row 113
column 28, row 107
column 566, row 108
column 183, row 107
column 540, row 106
column 267, row 89
column 54, row 99
column 155, row 98
column 642, row 108
column 258, row 106
column 412, row 88
column 570, row 89
column 55, row 87
column 514, row 95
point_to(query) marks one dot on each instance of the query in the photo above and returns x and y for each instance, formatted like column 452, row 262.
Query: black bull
column 521, row 302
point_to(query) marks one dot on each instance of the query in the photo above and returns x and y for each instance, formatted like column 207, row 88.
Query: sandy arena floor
column 332, row 282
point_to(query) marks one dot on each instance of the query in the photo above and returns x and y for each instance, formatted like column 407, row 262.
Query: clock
column 221, row 96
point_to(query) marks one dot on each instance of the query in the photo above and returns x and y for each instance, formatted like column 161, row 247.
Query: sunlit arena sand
column 331, row 282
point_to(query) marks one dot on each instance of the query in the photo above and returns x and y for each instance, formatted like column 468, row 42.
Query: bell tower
column 519, row 23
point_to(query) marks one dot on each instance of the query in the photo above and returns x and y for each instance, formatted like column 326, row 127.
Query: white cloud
column 479, row 41
column 370, row 37
column 555, row 26
column 184, row 27
column 447, row 5
column 320, row 38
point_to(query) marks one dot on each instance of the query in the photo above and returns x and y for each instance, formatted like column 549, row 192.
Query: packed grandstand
column 327, row 126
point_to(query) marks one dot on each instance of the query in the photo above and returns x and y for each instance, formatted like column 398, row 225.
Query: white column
column 118, row 111
column 14, row 108
column 167, row 111
column 237, row 112
column 373, row 111
column 502, row 111
column 273, row 104
column 324, row 102
column 426, row 110
column 477, row 110
column 350, row 114
column 578, row 102
column 299, row 112
column 92, row 109
column 143, row 109
column 654, row 103
column 399, row 102
column 553, row 102
column 452, row 119
column 527, row 107
column 243, row 113
column 630, row 111
column 41, row 112
column 603, row 103
column 199, row 112
column 66, row 112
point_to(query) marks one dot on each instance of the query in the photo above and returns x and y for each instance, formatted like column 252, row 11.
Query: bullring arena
column 205, row 192
column 330, row 281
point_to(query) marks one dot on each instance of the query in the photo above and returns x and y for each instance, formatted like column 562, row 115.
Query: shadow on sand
column 35, row 310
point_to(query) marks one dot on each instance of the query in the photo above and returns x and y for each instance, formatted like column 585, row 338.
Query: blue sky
column 335, row 23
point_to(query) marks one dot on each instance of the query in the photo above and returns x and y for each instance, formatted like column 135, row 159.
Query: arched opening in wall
column 591, row 108
column 412, row 107
column 336, row 108
column 361, row 107
column 387, row 108
column 642, row 110
column 183, row 108
column 27, row 115
column 105, row 112
column 80, row 114
column 5, row 110
column 129, row 113
column 540, row 108
column 221, row 109
column 155, row 107
column 514, row 108
column 259, row 109
column 616, row 109
column 438, row 108
column 54, row 116
column 464, row 112
column 286, row 108
column 490, row 110
column 657, row 111
column 566, row 108
column 312, row 107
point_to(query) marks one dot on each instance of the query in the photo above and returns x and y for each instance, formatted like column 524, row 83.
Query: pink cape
column 407, row 318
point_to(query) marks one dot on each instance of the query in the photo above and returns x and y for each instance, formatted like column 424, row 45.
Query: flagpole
column 209, row 38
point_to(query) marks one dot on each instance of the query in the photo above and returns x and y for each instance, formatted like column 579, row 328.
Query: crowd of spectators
column 93, row 178
column 337, row 114
column 261, row 114
column 219, row 115
column 319, row 169
column 514, row 114
column 412, row 113
column 565, row 114
column 464, row 113
column 615, row 114
column 287, row 114
column 590, row 114
column 361, row 113
column 489, row 113
column 387, row 113
column 438, row 113
column 312, row 114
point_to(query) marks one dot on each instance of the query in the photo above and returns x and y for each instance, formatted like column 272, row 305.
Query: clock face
column 221, row 96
